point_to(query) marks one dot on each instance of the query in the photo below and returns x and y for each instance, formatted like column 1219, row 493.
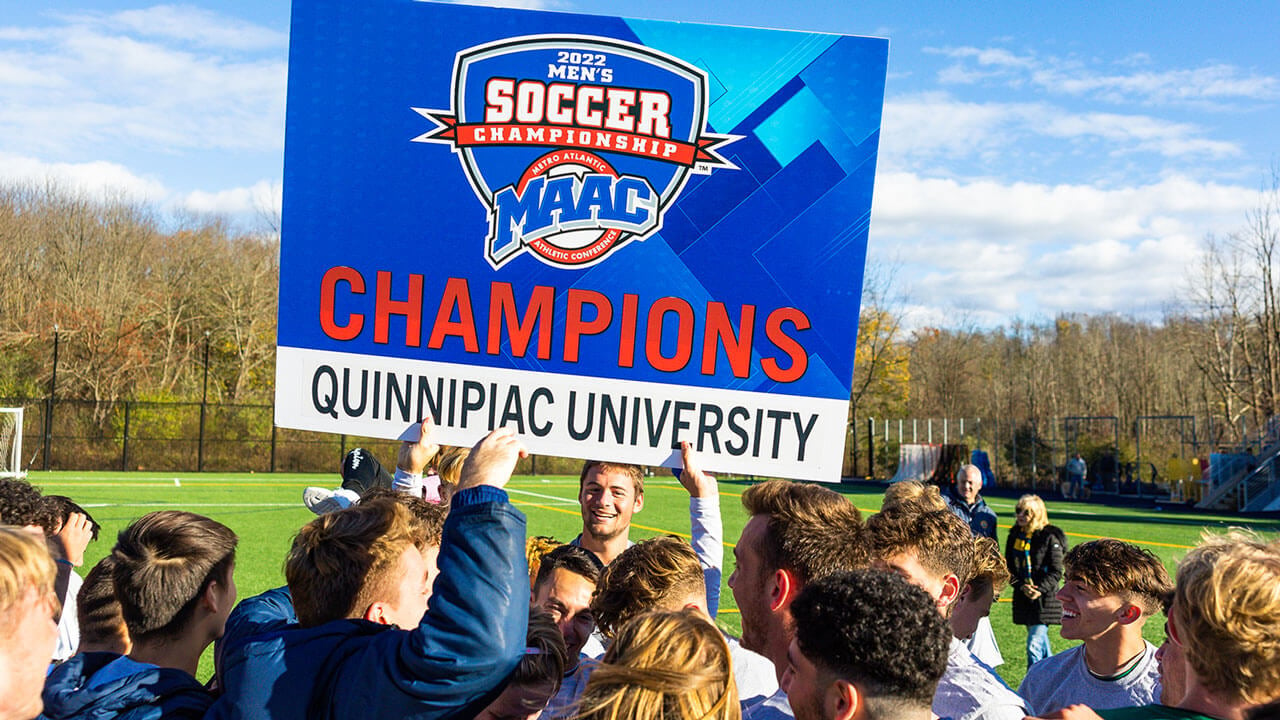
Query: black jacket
column 1046, row 548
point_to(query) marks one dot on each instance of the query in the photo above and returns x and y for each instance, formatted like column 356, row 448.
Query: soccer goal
column 11, row 443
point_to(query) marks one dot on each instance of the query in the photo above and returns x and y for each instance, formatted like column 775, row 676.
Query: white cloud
column 245, row 202
column 96, row 179
column 997, row 57
column 99, row 80
column 932, row 125
column 995, row 249
column 247, row 207
column 191, row 25
column 1202, row 86
column 1212, row 82
column 1140, row 132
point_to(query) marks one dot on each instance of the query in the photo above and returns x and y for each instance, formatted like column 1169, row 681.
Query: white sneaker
column 323, row 501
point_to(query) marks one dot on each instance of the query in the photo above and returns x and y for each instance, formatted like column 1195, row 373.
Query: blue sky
column 1035, row 158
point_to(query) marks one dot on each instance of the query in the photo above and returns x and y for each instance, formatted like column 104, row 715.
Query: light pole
column 48, row 411
column 204, row 403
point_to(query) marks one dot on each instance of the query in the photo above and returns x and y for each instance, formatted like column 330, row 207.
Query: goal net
column 11, row 442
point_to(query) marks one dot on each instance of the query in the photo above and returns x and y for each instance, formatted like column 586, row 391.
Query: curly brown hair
column 22, row 504
column 878, row 631
column 426, row 519
column 913, row 494
column 989, row 568
column 536, row 547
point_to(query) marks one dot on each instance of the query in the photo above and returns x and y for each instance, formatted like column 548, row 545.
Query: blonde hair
column 663, row 666
column 1227, row 614
column 25, row 566
column 988, row 565
column 913, row 494
column 448, row 464
column 1039, row 514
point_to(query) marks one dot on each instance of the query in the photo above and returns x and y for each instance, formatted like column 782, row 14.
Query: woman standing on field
column 1033, row 551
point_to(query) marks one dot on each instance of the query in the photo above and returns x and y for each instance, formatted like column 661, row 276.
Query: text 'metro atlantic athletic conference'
column 609, row 234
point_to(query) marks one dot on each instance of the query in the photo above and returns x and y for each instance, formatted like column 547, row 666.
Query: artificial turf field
column 266, row 510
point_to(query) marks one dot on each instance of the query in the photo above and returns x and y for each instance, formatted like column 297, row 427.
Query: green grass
column 266, row 510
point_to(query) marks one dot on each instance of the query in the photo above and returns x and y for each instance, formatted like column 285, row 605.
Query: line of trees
column 133, row 303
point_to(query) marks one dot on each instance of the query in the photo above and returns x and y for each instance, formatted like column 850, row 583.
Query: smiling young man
column 566, row 579
column 609, row 493
column 1111, row 588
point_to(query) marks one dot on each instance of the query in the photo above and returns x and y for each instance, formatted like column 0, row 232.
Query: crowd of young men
column 396, row 606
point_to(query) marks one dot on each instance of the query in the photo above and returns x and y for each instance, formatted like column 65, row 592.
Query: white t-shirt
column 969, row 690
column 754, row 673
column 983, row 644
column 1063, row 679
column 68, row 624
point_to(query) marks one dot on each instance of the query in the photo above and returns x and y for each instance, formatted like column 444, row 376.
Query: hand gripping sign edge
column 598, row 132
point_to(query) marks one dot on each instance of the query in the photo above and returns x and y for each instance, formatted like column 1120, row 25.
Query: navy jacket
column 450, row 666
column 151, row 694
column 980, row 518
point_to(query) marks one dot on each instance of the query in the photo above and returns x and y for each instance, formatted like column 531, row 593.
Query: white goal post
column 11, row 443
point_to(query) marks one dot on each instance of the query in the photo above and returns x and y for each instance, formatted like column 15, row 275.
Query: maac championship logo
column 576, row 145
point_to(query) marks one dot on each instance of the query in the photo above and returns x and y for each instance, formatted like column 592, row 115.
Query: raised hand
column 697, row 482
column 492, row 460
column 72, row 538
column 415, row 457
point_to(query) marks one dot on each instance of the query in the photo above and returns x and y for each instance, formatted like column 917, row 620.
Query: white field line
column 192, row 479
column 187, row 505
column 557, row 498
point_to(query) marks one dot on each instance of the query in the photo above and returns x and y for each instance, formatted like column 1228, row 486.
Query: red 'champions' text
column 668, row 334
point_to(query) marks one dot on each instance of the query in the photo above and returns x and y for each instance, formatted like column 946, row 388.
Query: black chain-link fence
column 65, row 434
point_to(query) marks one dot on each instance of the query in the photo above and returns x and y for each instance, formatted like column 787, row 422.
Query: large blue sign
column 610, row 234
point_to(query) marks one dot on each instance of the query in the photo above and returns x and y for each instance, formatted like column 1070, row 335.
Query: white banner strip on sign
column 620, row 420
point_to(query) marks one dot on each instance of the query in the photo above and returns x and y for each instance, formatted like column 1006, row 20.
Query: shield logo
column 575, row 145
